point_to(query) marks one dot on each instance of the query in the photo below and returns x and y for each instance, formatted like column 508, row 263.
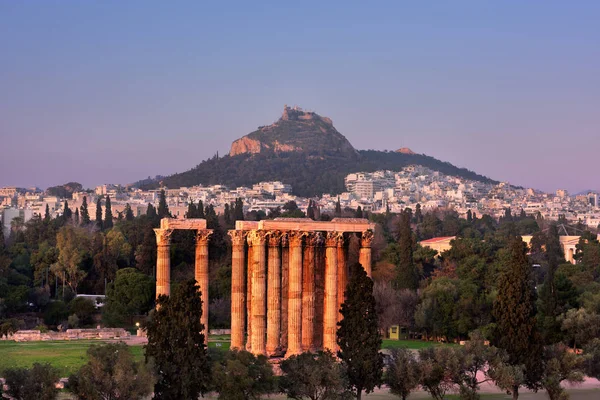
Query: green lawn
column 411, row 344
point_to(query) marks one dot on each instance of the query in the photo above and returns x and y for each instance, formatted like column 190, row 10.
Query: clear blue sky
column 115, row 91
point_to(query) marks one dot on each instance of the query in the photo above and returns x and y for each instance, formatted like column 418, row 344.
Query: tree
column 47, row 214
column 99, row 223
column 238, row 211
column 338, row 208
column 132, row 293
column 401, row 255
column 108, row 216
column 37, row 383
column 312, row 376
column 402, row 374
column 419, row 214
column 177, row 346
column 76, row 217
column 243, row 376
column 592, row 358
column 359, row 212
column 310, row 211
column 85, row 215
column 357, row 335
column 439, row 368
column 84, row 309
column 514, row 311
column 128, row 213
column 67, row 213
column 474, row 358
column 163, row 208
column 580, row 326
column 111, row 373
column 72, row 244
column 560, row 365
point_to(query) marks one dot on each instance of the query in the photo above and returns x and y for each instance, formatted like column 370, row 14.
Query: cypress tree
column 407, row 276
column 108, row 217
column 177, row 346
column 151, row 211
column 128, row 212
column 418, row 214
column 191, row 211
column 238, row 212
column 549, row 293
column 514, row 312
column 358, row 213
column 99, row 213
column 76, row 216
column 163, row 208
column 310, row 211
column 67, row 213
column 200, row 210
column 227, row 215
column 338, row 208
column 469, row 216
column 358, row 336
column 47, row 213
column 85, row 215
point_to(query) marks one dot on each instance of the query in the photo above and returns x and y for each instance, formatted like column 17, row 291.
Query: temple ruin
column 288, row 278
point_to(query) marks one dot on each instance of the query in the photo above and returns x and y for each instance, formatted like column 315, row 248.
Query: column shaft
column 259, row 286
column 342, row 274
column 285, row 268
column 308, row 294
column 364, row 257
column 295, row 295
column 163, row 261
column 201, row 273
column 331, row 290
column 249, row 268
column 274, row 294
column 238, row 306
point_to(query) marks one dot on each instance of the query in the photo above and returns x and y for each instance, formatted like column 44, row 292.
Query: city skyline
column 113, row 93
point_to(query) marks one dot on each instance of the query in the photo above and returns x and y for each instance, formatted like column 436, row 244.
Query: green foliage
column 37, row 383
column 402, row 374
column 111, row 373
column 357, row 335
column 592, row 358
column 312, row 376
column 99, row 222
column 401, row 255
column 580, row 326
column 84, row 213
column 177, row 346
column 241, row 375
column 132, row 293
column 561, row 365
column 84, row 309
column 163, row 208
column 108, row 215
column 55, row 313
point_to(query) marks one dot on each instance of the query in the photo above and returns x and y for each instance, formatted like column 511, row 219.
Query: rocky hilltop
column 295, row 131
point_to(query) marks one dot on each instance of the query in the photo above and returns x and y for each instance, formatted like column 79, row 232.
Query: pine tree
column 85, row 215
column 407, row 276
column 514, row 312
column 128, row 213
column 108, row 217
column 99, row 223
column 163, row 208
column 47, row 213
column 358, row 336
column 338, row 208
column 177, row 346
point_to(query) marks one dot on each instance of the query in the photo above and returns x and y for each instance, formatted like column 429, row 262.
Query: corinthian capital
column 203, row 236
column 257, row 238
column 333, row 239
column 238, row 238
column 295, row 238
column 163, row 236
column 367, row 238
column 274, row 238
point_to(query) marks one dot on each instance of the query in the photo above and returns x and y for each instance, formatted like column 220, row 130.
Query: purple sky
column 113, row 91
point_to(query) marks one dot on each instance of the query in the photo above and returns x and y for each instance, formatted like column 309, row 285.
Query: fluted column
column 308, row 293
column 238, row 295
column 249, row 268
column 201, row 272
column 285, row 268
column 331, row 290
column 274, row 294
column 364, row 257
column 295, row 295
column 259, row 286
column 163, row 261
column 342, row 272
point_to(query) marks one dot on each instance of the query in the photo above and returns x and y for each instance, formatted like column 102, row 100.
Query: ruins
column 287, row 281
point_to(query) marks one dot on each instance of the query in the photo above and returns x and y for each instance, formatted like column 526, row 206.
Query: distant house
column 440, row 244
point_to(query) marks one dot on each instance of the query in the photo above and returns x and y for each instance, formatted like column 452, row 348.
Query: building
column 440, row 244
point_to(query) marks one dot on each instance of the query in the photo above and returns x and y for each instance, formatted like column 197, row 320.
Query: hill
column 302, row 149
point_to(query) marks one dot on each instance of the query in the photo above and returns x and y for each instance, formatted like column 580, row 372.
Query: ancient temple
column 288, row 279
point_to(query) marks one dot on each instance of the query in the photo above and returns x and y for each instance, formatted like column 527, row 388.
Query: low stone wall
column 70, row 334
column 219, row 332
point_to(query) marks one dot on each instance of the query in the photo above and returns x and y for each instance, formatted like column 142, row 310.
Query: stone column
column 308, row 294
column 364, row 257
column 285, row 268
column 249, row 267
column 259, row 289
column 238, row 295
column 274, row 294
column 201, row 272
column 342, row 272
column 295, row 295
column 331, row 288
column 163, row 261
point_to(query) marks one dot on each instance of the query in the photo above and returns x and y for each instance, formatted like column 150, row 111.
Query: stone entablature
column 70, row 334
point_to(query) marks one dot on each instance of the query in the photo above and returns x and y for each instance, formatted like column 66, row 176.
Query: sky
column 113, row 92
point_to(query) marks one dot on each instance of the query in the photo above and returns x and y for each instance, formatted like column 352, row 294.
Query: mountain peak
column 296, row 131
